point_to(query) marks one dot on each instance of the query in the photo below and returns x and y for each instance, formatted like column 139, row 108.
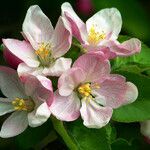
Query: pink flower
column 84, row 6
column 89, row 89
column 12, row 60
column 100, row 32
column 43, row 46
column 28, row 102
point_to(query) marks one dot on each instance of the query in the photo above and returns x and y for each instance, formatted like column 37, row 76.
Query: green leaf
column 32, row 136
column 140, row 61
column 139, row 110
column 86, row 138
column 122, row 144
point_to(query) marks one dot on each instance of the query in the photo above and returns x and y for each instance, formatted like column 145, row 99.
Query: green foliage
column 86, row 138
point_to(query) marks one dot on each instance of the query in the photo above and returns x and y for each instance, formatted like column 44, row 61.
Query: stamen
column 44, row 54
column 22, row 104
column 95, row 37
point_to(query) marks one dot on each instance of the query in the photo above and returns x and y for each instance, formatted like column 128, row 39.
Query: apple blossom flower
column 28, row 101
column 89, row 89
column 100, row 32
column 145, row 130
column 43, row 46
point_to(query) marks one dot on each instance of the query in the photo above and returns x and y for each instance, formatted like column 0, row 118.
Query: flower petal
column 77, row 25
column 126, row 48
column 69, row 80
column 116, row 91
column 40, row 89
column 94, row 115
column 107, row 20
column 6, row 106
column 131, row 93
column 66, row 108
column 10, row 84
column 94, row 65
column 61, row 39
column 14, row 124
column 145, row 128
column 39, row 116
column 24, row 69
column 11, row 59
column 37, row 27
column 60, row 65
column 23, row 50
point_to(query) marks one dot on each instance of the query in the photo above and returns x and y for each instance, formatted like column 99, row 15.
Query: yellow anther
column 85, row 90
column 22, row 104
column 19, row 104
column 95, row 37
column 44, row 53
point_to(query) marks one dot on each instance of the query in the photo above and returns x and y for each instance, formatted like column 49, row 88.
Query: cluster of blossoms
column 86, row 88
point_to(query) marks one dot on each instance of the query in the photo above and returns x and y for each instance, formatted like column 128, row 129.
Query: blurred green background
column 136, row 23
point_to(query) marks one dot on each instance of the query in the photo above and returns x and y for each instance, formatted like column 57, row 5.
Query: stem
column 59, row 127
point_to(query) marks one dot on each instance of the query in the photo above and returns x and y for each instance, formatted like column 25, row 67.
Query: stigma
column 95, row 37
column 23, row 104
column 44, row 54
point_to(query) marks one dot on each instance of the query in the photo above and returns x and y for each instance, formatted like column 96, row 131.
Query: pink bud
column 11, row 59
column 84, row 6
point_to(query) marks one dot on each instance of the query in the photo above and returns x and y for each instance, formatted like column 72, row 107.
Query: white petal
column 5, row 106
column 107, row 20
column 24, row 69
column 94, row 115
column 60, row 65
column 14, row 124
column 61, row 39
column 39, row 116
column 131, row 93
column 37, row 27
column 145, row 128
column 10, row 84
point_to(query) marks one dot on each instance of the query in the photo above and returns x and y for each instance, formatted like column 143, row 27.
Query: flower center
column 44, row 54
column 95, row 37
column 23, row 104
column 84, row 90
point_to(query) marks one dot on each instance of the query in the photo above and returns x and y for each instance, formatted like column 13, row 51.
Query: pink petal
column 116, row 92
column 69, row 80
column 58, row 67
column 94, row 115
column 94, row 65
column 39, row 116
column 40, row 89
column 14, row 125
column 107, row 20
column 66, row 108
column 126, row 48
column 11, row 59
column 77, row 25
column 22, row 50
column 37, row 27
column 61, row 38
column 10, row 84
